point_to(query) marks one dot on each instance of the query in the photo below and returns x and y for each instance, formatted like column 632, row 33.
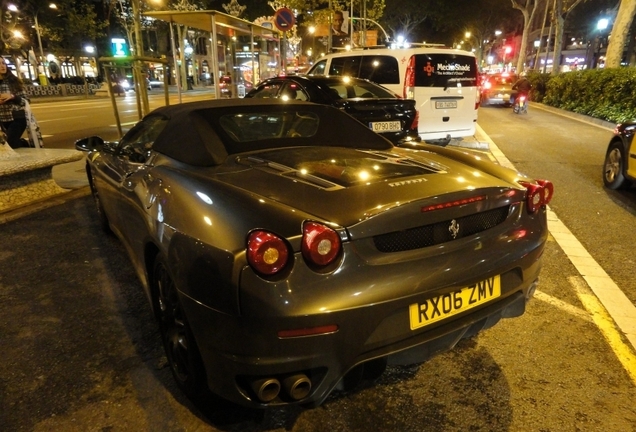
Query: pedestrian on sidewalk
column 12, row 99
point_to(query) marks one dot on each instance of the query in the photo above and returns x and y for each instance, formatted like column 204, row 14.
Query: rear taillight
column 487, row 85
column 320, row 244
column 409, row 79
column 266, row 252
column 538, row 195
column 416, row 121
column 522, row 99
column 548, row 190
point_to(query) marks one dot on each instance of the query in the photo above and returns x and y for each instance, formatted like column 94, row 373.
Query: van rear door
column 445, row 88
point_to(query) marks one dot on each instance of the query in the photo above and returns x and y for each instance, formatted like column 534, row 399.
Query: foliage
column 65, row 28
column 539, row 81
column 607, row 94
column 80, row 25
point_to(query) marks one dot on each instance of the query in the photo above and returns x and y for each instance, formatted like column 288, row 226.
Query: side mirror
column 89, row 144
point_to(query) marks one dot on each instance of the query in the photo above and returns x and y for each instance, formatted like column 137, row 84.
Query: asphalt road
column 81, row 351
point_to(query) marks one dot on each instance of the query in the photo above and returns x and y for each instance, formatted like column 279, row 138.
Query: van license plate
column 445, row 104
column 444, row 306
column 387, row 126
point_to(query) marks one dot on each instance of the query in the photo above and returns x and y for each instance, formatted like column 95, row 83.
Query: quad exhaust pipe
column 295, row 387
column 266, row 389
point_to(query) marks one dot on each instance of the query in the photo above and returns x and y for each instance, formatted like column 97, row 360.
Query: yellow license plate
column 449, row 304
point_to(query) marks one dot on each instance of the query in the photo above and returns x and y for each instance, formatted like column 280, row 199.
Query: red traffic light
column 508, row 49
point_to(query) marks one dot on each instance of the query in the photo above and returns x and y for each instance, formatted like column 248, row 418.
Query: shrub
column 607, row 94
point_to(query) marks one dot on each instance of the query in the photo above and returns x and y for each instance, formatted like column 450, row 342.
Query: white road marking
column 566, row 307
column 61, row 119
column 621, row 310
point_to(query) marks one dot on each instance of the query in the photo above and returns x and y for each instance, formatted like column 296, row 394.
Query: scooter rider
column 522, row 86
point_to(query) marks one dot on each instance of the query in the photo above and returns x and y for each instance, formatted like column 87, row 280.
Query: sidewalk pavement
column 71, row 175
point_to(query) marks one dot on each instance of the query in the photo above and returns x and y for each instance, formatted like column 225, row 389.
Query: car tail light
column 416, row 120
column 487, row 85
column 409, row 79
column 548, row 190
column 320, row 244
column 477, row 99
column 538, row 195
column 266, row 252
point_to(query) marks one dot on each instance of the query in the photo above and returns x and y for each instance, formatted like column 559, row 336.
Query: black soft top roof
column 194, row 136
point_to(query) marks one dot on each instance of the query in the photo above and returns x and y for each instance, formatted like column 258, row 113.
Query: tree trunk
column 620, row 30
column 536, row 65
column 559, row 23
column 528, row 10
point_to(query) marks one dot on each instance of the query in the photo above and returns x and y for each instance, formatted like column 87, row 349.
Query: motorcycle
column 521, row 105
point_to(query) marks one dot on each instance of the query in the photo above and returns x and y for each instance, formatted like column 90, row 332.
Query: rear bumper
column 503, row 98
column 238, row 351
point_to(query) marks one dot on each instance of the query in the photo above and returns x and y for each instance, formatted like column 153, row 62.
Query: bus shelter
column 241, row 52
column 112, row 65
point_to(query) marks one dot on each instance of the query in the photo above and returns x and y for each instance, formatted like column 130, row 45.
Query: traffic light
column 508, row 49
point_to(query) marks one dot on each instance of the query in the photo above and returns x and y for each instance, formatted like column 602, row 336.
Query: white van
column 442, row 81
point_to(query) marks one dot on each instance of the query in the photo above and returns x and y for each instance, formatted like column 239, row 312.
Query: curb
column 43, row 204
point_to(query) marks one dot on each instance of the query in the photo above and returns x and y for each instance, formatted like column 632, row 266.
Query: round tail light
column 266, row 252
column 548, row 189
column 538, row 195
column 320, row 244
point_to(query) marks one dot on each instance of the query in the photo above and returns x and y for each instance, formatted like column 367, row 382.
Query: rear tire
column 178, row 341
column 614, row 166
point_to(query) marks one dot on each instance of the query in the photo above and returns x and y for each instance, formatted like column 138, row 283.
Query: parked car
column 377, row 107
column 619, row 170
column 285, row 247
column 225, row 84
column 497, row 89
column 442, row 81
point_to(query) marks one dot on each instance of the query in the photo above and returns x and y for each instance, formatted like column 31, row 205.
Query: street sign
column 284, row 19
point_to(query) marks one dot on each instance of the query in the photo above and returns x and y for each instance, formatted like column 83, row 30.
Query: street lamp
column 14, row 8
column 312, row 30
column 601, row 26
column 477, row 48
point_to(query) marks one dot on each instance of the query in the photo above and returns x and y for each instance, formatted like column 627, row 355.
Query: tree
column 620, row 30
column 404, row 18
column 560, row 12
column 528, row 9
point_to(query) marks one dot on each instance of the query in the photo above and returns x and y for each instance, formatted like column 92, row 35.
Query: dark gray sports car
column 288, row 250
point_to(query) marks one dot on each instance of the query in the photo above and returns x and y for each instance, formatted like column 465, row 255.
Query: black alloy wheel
column 178, row 342
column 613, row 167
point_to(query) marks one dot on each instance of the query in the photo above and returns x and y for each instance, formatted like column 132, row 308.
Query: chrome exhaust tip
column 297, row 386
column 532, row 290
column 266, row 389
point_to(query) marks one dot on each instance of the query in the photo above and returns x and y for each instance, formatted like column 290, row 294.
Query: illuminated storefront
column 245, row 52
